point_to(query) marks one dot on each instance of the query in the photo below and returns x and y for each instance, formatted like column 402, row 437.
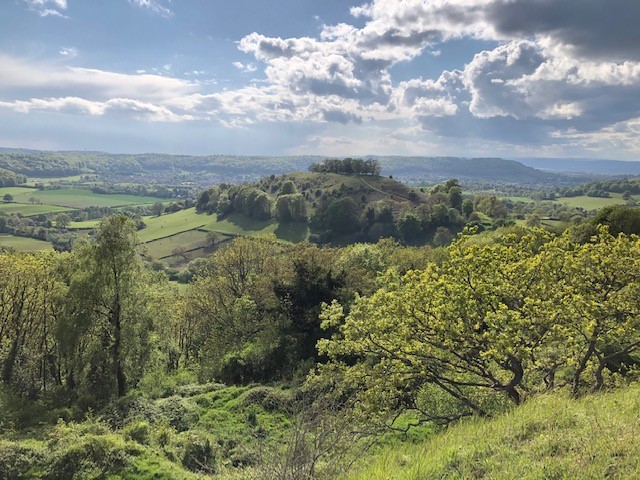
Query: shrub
column 199, row 454
column 18, row 461
column 138, row 432
column 271, row 399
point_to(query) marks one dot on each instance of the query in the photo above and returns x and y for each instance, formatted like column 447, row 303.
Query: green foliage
column 489, row 324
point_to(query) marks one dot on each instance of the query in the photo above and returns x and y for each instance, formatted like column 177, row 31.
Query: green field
column 30, row 209
column 15, row 191
column 238, row 224
column 171, row 224
column 583, row 201
column 594, row 203
column 162, row 248
column 79, row 198
column 24, row 243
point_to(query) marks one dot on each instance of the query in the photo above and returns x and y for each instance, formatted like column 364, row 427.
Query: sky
column 504, row 78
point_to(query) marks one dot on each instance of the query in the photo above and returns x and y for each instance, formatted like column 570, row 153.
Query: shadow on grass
column 292, row 232
column 242, row 222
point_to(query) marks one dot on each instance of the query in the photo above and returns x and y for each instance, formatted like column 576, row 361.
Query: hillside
column 550, row 436
column 341, row 208
column 232, row 168
column 585, row 165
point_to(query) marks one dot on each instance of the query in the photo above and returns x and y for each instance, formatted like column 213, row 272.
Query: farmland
column 23, row 243
column 30, row 209
column 171, row 224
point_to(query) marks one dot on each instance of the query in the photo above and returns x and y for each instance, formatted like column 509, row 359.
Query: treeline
column 287, row 206
column 347, row 166
column 11, row 179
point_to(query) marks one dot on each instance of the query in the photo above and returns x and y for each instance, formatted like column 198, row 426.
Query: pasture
column 24, row 243
column 238, row 224
column 171, row 224
column 80, row 198
column 31, row 209
column 164, row 247
column 594, row 203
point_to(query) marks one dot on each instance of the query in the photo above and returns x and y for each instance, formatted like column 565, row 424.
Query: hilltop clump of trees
column 347, row 166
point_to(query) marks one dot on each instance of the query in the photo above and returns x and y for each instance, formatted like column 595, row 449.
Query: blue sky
column 408, row 77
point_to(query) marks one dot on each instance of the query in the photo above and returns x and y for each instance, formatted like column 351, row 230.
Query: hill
column 584, row 165
column 340, row 208
column 209, row 169
column 550, row 436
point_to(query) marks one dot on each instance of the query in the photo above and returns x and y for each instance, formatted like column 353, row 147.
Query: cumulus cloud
column 554, row 70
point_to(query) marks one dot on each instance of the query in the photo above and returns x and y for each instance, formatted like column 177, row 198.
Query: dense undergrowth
column 190, row 431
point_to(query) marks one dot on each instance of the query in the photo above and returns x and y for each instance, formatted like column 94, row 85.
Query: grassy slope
column 549, row 437
column 172, row 224
column 238, row 224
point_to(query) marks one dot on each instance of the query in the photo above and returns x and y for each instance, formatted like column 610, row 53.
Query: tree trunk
column 117, row 347
column 582, row 366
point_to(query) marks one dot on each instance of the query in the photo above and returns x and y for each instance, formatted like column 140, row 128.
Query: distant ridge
column 584, row 165
column 211, row 169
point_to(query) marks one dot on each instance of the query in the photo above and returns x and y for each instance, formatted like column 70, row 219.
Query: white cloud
column 557, row 69
column 248, row 68
column 47, row 8
column 154, row 6
column 69, row 52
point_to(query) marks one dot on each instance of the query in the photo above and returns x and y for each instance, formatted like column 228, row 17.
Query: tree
column 442, row 237
column 410, row 227
column 62, row 220
column 8, row 198
column 157, row 209
column 109, row 320
column 467, row 207
column 31, row 302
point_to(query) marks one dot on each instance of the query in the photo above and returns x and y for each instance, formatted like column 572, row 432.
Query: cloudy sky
column 333, row 77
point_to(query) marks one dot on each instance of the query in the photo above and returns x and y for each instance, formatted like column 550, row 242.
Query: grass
column 238, row 224
column 86, row 225
column 31, row 209
column 15, row 191
column 79, row 198
column 593, row 203
column 191, row 240
column 550, row 436
column 24, row 243
column 172, row 224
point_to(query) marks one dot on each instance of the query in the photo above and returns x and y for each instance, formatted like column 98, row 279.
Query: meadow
column 171, row 224
column 24, row 243
column 31, row 209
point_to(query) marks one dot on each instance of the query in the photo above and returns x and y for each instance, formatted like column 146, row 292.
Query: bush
column 127, row 409
column 271, row 399
column 18, row 461
column 138, row 432
column 178, row 413
column 199, row 455
column 90, row 456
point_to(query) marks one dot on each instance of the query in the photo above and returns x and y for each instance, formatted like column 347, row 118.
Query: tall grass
column 551, row 436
